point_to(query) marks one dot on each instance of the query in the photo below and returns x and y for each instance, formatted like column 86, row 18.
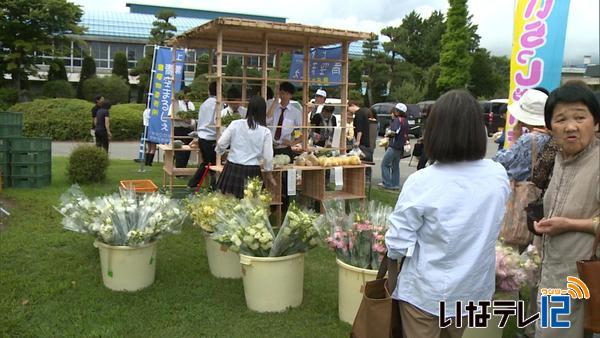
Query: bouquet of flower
column 297, row 233
column 359, row 237
column 246, row 229
column 121, row 219
column 254, row 190
column 513, row 271
column 202, row 208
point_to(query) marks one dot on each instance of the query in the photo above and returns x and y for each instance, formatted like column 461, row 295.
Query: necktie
column 279, row 124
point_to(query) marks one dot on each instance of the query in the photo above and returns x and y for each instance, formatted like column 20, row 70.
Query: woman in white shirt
column 249, row 141
column 446, row 221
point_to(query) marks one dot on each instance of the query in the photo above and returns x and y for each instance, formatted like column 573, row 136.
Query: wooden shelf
column 330, row 195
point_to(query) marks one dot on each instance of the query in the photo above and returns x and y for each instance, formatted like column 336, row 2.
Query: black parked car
column 494, row 114
column 413, row 115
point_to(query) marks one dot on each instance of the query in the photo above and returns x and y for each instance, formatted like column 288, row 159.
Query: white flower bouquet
column 121, row 219
column 246, row 230
column 202, row 208
column 254, row 190
column 298, row 233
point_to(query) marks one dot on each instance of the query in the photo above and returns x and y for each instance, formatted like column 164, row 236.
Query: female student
column 248, row 141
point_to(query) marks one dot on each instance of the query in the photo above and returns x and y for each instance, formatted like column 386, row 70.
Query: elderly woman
column 447, row 220
column 529, row 111
column 572, row 201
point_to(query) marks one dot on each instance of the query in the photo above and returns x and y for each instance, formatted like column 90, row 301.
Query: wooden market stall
column 245, row 38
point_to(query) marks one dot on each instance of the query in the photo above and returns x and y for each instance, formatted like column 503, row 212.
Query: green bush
column 58, row 88
column 87, row 164
column 120, row 66
column 57, row 70
column 8, row 97
column 71, row 119
column 126, row 121
column 113, row 88
column 88, row 70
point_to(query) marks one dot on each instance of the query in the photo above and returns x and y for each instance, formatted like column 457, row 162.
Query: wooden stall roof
column 249, row 35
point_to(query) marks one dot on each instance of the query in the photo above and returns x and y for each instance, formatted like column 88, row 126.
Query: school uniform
column 246, row 148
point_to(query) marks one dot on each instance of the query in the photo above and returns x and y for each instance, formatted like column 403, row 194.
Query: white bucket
column 222, row 262
column 273, row 284
column 127, row 268
column 351, row 283
column 492, row 330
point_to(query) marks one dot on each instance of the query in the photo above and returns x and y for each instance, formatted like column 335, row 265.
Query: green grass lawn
column 51, row 284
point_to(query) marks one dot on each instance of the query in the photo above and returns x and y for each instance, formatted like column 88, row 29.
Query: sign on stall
column 167, row 65
column 325, row 71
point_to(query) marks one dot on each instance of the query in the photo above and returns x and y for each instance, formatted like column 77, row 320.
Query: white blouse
column 446, row 222
column 247, row 146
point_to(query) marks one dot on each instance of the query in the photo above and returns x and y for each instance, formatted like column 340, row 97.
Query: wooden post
column 265, row 66
column 305, row 94
column 344, row 93
column 244, row 81
column 219, row 105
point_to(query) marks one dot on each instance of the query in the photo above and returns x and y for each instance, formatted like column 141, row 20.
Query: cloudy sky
column 494, row 18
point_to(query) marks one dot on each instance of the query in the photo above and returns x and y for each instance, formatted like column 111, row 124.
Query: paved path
column 129, row 151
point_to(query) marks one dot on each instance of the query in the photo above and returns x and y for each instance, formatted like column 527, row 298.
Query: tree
column 57, row 71
column 502, row 69
column 375, row 70
column 455, row 60
column 484, row 80
column 394, row 45
column 201, row 65
column 88, row 70
column 113, row 88
column 162, row 29
column 58, row 88
column 120, row 66
column 408, row 92
column 31, row 28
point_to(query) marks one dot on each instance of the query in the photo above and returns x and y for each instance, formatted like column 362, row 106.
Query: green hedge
column 71, row 119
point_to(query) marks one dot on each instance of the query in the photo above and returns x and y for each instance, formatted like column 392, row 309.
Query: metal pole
column 150, row 94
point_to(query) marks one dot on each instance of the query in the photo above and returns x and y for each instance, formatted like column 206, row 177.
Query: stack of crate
column 25, row 162
column 11, row 125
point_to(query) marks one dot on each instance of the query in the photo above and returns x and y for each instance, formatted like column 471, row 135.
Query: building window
column 100, row 50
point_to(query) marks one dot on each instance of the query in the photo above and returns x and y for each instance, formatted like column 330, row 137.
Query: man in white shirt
column 207, row 135
column 320, row 96
column 282, row 119
column 233, row 94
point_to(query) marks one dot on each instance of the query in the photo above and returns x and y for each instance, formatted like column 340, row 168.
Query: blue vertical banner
column 540, row 27
column 168, row 66
column 324, row 71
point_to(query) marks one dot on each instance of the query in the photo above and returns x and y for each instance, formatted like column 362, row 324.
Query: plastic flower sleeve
column 249, row 230
column 297, row 233
column 121, row 219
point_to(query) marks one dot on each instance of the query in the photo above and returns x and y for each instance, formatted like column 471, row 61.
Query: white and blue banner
column 323, row 71
column 166, row 66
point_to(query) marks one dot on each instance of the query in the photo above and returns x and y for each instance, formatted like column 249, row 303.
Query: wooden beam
column 219, row 105
column 305, row 93
column 344, row 93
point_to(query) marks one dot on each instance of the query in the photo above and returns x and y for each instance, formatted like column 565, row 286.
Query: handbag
column 379, row 315
column 589, row 273
column 535, row 212
column 515, row 229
